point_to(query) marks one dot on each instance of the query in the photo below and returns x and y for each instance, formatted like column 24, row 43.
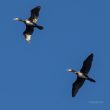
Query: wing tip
column 39, row 6
column 73, row 95
column 91, row 55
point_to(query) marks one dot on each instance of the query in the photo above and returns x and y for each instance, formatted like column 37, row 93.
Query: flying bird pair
column 31, row 23
column 82, row 75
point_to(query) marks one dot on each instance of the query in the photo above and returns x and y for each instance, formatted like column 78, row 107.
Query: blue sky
column 33, row 76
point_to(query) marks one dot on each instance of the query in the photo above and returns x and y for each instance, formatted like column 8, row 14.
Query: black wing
column 77, row 85
column 28, row 32
column 87, row 64
column 35, row 14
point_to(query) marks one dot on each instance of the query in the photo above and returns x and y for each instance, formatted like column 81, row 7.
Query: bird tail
column 90, row 79
column 39, row 27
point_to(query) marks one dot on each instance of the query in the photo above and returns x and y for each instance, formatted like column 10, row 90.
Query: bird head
column 16, row 19
column 71, row 70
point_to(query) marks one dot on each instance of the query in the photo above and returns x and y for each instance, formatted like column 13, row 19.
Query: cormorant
column 31, row 23
column 82, row 74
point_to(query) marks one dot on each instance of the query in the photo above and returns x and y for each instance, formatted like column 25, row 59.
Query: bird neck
column 21, row 20
column 74, row 71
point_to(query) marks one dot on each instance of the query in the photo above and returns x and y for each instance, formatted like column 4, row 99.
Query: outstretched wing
column 35, row 14
column 77, row 85
column 28, row 32
column 87, row 64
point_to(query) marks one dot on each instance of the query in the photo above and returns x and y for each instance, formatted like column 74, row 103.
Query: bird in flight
column 82, row 75
column 31, row 23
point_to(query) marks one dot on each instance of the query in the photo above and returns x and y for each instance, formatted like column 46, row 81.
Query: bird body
column 28, row 22
column 82, row 75
column 31, row 23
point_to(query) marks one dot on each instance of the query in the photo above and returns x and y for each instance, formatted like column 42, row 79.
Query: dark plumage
column 87, row 64
column 77, row 85
column 82, row 75
column 31, row 23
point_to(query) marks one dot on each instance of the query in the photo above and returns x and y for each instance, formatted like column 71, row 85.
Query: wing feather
column 28, row 32
column 35, row 14
column 87, row 64
column 77, row 85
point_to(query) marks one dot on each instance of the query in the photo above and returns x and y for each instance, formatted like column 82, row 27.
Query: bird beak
column 70, row 70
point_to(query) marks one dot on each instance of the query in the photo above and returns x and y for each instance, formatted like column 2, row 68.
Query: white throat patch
column 29, row 22
column 81, row 75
